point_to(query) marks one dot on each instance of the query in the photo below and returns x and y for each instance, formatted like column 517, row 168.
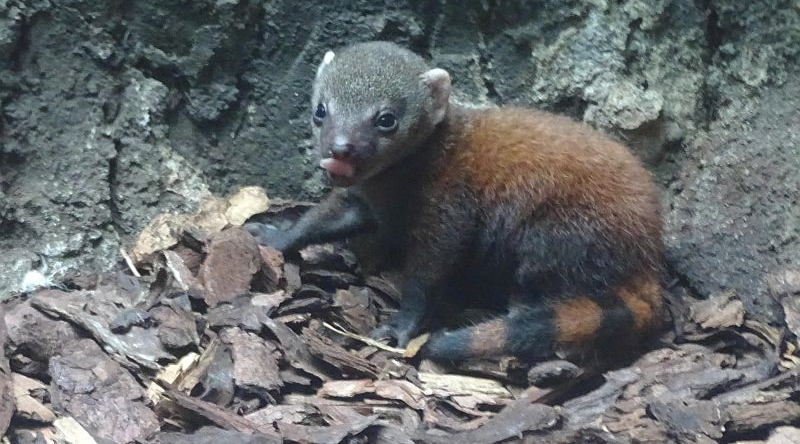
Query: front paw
column 269, row 235
column 399, row 329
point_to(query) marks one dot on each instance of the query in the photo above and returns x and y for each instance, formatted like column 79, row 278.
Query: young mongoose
column 562, row 221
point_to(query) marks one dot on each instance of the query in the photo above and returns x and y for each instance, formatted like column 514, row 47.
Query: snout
column 339, row 161
column 342, row 150
column 345, row 155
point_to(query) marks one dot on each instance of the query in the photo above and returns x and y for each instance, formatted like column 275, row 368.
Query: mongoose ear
column 438, row 81
column 326, row 60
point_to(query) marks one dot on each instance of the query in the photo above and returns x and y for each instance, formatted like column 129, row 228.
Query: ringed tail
column 578, row 327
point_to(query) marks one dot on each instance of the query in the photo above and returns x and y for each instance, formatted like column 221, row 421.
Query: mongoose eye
column 386, row 122
column 319, row 114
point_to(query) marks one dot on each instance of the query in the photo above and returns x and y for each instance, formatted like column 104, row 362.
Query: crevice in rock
column 683, row 280
column 433, row 14
column 714, row 37
column 574, row 106
column 9, row 228
column 170, row 76
column 245, row 88
column 708, row 103
column 629, row 55
column 713, row 31
column 9, row 161
column 113, row 183
column 668, row 168
column 757, row 435
column 484, row 55
column 18, row 55
column 484, row 61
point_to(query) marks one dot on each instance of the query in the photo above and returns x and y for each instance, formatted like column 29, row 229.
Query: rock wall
column 115, row 111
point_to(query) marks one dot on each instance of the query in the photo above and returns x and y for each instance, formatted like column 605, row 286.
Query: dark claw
column 399, row 329
column 268, row 235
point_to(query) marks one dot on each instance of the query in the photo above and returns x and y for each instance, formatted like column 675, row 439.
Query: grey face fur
column 363, row 82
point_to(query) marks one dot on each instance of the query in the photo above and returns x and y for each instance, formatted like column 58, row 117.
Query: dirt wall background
column 112, row 112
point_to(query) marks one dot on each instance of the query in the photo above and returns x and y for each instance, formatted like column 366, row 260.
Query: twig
column 129, row 262
column 364, row 339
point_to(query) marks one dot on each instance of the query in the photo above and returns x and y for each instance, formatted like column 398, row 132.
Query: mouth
column 341, row 172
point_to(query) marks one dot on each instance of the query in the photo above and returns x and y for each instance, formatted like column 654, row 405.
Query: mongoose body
column 563, row 221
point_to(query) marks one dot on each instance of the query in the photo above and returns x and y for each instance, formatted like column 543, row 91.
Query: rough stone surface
column 736, row 220
column 112, row 112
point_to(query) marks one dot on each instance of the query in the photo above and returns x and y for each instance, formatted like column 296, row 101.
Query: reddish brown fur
column 577, row 321
column 536, row 156
column 642, row 296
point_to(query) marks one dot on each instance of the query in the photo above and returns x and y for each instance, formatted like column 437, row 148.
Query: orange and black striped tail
column 581, row 326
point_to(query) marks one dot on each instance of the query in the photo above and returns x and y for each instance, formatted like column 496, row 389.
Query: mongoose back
column 563, row 221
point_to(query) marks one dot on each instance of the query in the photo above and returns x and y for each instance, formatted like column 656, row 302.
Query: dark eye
column 386, row 122
column 319, row 114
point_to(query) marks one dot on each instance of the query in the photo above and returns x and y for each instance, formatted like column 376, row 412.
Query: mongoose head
column 372, row 105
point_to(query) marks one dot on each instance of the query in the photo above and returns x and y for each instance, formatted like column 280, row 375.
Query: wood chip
column 415, row 345
column 177, row 329
column 183, row 276
column 445, row 385
column 759, row 414
column 720, row 311
column 291, row 273
column 220, row 417
column 357, row 308
column 214, row 435
column 35, row 334
column 189, row 378
column 297, row 352
column 8, row 390
column 269, row 300
column 287, row 414
column 239, row 312
column 514, row 421
column 548, row 372
column 246, row 202
column 29, row 407
column 397, row 390
column 232, row 260
column 784, row 435
column 72, row 432
column 328, row 280
column 333, row 434
column 213, row 215
column 141, row 345
column 328, row 256
column 349, row 364
column 385, row 286
column 272, row 270
column 104, row 398
column 171, row 375
column 255, row 362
